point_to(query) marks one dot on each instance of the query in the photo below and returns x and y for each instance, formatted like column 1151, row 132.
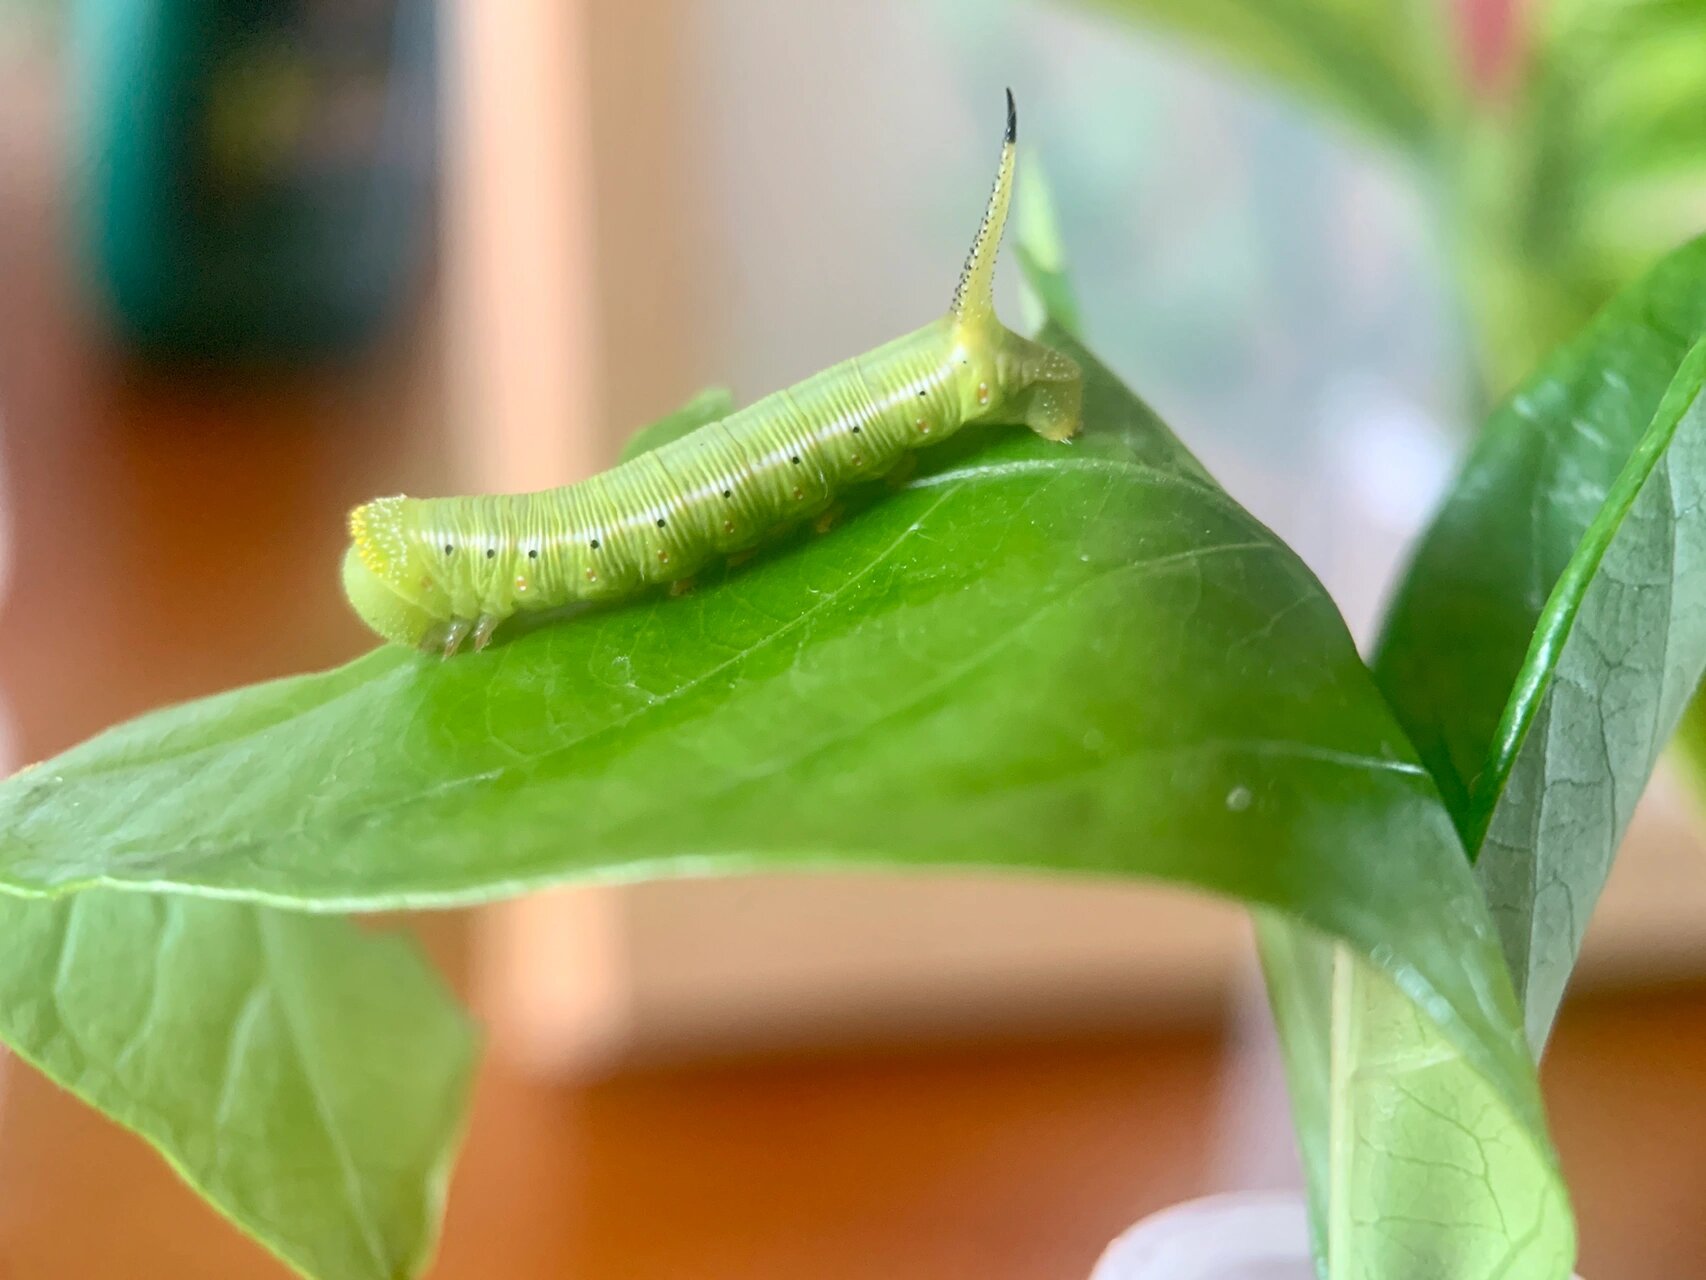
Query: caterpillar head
column 377, row 577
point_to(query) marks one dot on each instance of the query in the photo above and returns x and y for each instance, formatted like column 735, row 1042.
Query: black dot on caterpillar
column 795, row 459
column 660, row 522
column 728, row 493
column 533, row 553
column 855, row 428
column 593, row 544
column 491, row 553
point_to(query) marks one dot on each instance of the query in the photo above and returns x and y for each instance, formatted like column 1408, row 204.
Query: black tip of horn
column 1012, row 119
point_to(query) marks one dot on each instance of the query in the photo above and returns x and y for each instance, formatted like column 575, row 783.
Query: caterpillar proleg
column 437, row 572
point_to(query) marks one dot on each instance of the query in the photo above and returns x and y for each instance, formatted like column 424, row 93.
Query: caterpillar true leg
column 431, row 572
column 681, row 586
column 483, row 629
column 455, row 631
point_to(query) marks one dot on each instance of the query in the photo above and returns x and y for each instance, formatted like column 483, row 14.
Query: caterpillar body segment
column 439, row 572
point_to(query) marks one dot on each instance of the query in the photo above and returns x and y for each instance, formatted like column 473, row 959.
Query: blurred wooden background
column 987, row 1108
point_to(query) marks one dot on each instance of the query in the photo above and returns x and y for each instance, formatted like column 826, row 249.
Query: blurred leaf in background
column 1387, row 67
column 1557, row 142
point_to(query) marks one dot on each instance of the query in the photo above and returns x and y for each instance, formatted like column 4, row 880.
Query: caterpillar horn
column 974, row 296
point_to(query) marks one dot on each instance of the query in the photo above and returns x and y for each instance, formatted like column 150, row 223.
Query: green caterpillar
column 436, row 572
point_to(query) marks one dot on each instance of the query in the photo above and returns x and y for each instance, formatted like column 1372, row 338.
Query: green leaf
column 1619, row 650
column 1595, row 162
column 1386, row 67
column 307, row 1080
column 1463, row 616
column 1077, row 659
column 1415, row 1167
column 1549, row 633
column 1634, row 68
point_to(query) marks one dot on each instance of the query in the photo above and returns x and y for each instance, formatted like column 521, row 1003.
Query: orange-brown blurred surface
column 1001, row 1162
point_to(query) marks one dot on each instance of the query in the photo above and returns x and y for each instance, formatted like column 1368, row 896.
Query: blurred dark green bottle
column 253, row 178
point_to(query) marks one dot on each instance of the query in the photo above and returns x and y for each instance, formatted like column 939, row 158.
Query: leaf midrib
column 360, row 1211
